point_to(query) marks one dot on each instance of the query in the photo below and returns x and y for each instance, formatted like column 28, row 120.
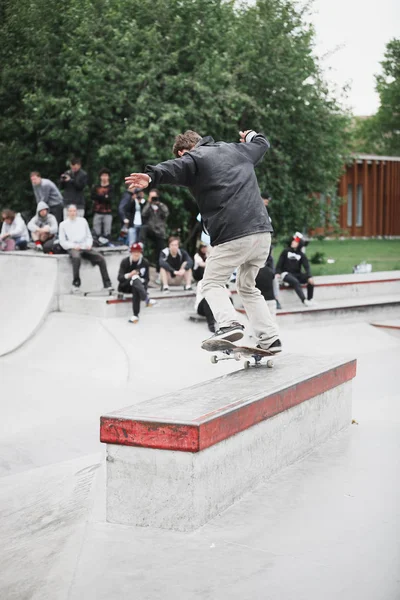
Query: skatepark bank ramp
column 27, row 294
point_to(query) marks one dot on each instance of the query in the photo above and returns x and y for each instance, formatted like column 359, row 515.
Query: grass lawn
column 384, row 255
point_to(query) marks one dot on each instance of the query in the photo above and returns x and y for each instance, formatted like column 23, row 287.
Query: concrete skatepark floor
column 326, row 527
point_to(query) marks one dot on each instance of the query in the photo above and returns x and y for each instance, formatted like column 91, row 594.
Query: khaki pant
column 250, row 253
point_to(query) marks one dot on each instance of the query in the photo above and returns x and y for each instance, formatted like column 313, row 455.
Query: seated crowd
column 59, row 226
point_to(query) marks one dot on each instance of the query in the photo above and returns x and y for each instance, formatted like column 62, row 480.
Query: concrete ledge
column 178, row 460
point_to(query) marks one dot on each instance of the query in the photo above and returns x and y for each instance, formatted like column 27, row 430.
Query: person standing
column 47, row 191
column 76, row 239
column 133, row 277
column 133, row 216
column 102, row 196
column 154, row 217
column 73, row 183
column 222, row 179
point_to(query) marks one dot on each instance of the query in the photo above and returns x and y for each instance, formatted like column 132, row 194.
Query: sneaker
column 187, row 288
column 274, row 347
column 278, row 305
column 165, row 289
column 76, row 283
column 134, row 319
column 311, row 302
column 150, row 302
column 233, row 333
column 39, row 247
column 158, row 280
column 306, row 302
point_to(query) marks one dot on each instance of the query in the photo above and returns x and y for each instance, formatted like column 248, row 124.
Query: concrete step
column 384, row 307
column 112, row 307
column 346, row 287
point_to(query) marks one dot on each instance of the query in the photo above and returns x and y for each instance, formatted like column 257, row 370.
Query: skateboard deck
column 230, row 350
column 97, row 293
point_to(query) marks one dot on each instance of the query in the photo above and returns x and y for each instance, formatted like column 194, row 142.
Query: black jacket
column 73, row 189
column 292, row 260
column 142, row 266
column 102, row 197
column 154, row 216
column 264, row 281
column 221, row 178
column 130, row 209
column 183, row 256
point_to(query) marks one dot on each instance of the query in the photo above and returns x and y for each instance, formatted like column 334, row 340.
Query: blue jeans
column 134, row 234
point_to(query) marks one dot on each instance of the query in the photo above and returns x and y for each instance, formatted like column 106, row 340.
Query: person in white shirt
column 75, row 237
column 14, row 233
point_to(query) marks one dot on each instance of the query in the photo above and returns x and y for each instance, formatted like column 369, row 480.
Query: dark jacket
column 154, row 216
column 292, row 260
column 127, row 266
column 102, row 196
column 123, row 203
column 130, row 209
column 73, row 189
column 222, row 179
column 166, row 259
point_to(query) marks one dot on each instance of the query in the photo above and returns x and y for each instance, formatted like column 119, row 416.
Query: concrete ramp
column 27, row 295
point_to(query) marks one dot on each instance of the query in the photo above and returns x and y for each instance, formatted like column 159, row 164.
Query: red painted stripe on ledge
column 340, row 283
column 214, row 427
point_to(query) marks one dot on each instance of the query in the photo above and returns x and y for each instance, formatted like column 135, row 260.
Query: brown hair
column 8, row 214
column 35, row 173
column 185, row 141
column 173, row 238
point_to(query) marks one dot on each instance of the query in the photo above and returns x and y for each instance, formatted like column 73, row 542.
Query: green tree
column 380, row 134
column 113, row 81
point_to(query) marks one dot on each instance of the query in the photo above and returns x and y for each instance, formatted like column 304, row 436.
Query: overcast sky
column 359, row 30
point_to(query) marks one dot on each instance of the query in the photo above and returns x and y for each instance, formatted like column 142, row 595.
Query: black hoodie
column 292, row 260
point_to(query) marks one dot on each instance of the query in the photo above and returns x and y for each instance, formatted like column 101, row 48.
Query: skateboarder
column 222, row 179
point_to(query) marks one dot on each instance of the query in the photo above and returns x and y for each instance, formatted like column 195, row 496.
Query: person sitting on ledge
column 200, row 261
column 175, row 266
column 76, row 239
column 14, row 234
column 133, row 277
column 265, row 283
column 43, row 226
column 290, row 263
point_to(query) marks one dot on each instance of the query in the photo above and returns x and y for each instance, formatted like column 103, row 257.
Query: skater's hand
column 137, row 180
column 133, row 273
column 126, row 221
column 243, row 135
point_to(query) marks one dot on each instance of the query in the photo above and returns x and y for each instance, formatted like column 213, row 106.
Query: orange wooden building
column 371, row 187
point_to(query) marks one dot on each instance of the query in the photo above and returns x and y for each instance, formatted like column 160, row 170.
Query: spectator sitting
column 200, row 262
column 47, row 191
column 102, row 196
column 154, row 217
column 43, row 226
column 264, row 282
column 14, row 234
column 75, row 237
column 73, row 183
column 133, row 279
column 133, row 216
column 289, row 266
column 175, row 266
column 203, row 309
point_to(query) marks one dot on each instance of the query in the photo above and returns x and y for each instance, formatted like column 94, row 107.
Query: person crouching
column 133, row 277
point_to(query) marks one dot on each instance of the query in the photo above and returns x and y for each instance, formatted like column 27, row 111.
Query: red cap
column 296, row 238
column 136, row 247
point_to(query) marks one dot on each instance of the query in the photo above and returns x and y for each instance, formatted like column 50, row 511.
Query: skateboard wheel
column 270, row 363
column 238, row 356
column 246, row 364
column 214, row 359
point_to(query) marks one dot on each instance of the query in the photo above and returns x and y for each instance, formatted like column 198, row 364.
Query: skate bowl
column 28, row 294
column 177, row 461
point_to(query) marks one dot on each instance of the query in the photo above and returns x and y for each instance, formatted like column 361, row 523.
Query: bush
column 318, row 258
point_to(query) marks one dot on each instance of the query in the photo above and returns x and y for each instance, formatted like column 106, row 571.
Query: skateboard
column 232, row 351
column 96, row 293
column 196, row 318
